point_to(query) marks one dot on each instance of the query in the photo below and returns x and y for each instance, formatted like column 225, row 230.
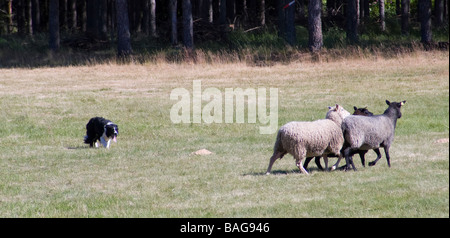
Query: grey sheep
column 304, row 139
column 358, row 111
column 365, row 133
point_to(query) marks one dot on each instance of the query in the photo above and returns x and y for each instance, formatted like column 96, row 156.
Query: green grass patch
column 47, row 171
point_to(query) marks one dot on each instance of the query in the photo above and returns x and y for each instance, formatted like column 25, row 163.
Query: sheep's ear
column 329, row 108
column 403, row 103
column 337, row 107
column 388, row 103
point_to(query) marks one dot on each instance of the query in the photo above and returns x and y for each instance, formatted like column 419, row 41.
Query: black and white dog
column 99, row 128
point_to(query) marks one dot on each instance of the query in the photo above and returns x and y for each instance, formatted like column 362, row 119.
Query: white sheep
column 316, row 138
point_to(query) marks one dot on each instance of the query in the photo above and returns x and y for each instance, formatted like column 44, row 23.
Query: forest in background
column 31, row 28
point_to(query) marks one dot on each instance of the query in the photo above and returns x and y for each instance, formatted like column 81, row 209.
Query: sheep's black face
column 362, row 112
column 396, row 106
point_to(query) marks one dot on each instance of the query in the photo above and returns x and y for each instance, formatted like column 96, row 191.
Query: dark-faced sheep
column 365, row 133
column 358, row 111
column 362, row 111
column 303, row 139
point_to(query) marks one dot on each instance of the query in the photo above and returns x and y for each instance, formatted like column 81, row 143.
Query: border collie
column 99, row 128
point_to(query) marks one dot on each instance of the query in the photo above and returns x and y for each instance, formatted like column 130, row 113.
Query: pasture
column 47, row 171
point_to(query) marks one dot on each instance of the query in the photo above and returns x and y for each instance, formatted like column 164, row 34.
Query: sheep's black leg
column 353, row 164
column 325, row 160
column 341, row 154
column 349, row 159
column 305, row 165
column 378, row 157
column 337, row 163
column 386, row 151
column 317, row 160
column 362, row 153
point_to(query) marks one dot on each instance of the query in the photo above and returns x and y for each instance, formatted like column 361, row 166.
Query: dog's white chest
column 106, row 141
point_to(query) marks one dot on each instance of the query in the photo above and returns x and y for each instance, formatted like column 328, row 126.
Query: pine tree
column 123, row 30
column 315, row 25
column 53, row 25
column 188, row 31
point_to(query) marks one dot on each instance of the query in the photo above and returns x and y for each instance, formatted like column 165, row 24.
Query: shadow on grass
column 77, row 147
column 284, row 172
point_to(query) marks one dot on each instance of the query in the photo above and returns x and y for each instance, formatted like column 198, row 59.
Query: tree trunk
column 206, row 12
column 286, row 21
column 446, row 10
column 425, row 21
column 123, row 29
column 241, row 11
column 367, row 10
column 153, row 18
column 405, row 17
column 173, row 22
column 222, row 13
column 352, row 26
column 146, row 17
column 29, row 17
column 63, row 15
column 357, row 12
column 382, row 15
column 262, row 13
column 290, row 23
column 216, row 11
column 20, row 16
column 111, row 19
column 281, row 19
column 72, row 21
column 92, row 18
column 82, row 16
column 315, row 25
column 53, row 25
column 362, row 13
column 439, row 12
column 102, row 12
column 136, row 15
column 188, row 31
column 398, row 8
column 10, row 17
column 231, row 10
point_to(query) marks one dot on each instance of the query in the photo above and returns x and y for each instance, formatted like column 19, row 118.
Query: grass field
column 46, row 170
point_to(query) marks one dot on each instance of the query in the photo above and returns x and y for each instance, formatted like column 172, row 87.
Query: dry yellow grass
column 138, row 77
